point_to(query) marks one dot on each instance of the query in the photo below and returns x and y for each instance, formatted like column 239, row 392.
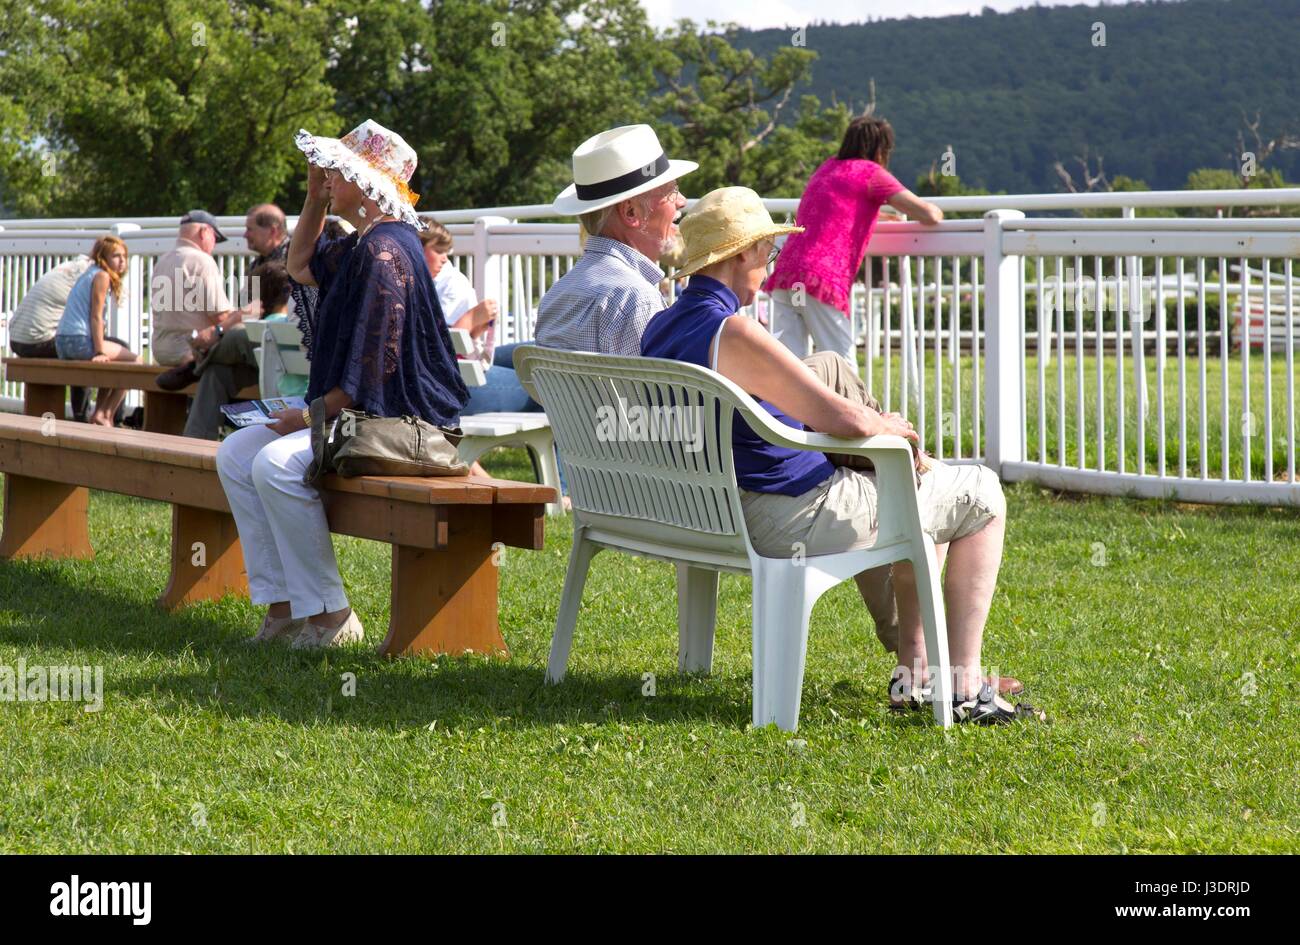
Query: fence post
column 1004, row 395
column 136, row 291
column 1136, row 321
column 490, row 273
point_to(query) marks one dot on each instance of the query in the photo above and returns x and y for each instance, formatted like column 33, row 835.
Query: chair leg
column 929, row 591
column 541, row 446
column 570, row 602
column 783, row 600
column 471, row 448
column 697, row 615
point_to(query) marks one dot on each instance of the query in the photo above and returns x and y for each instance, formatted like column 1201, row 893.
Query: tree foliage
column 139, row 107
column 154, row 107
column 732, row 111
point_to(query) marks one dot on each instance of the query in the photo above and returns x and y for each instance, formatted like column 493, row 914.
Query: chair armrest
column 883, row 445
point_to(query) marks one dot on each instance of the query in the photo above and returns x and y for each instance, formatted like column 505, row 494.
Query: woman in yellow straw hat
column 794, row 498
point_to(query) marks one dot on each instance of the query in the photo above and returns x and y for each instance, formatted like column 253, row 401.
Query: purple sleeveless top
column 684, row 332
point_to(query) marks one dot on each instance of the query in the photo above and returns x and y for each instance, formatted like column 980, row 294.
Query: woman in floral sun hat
column 379, row 344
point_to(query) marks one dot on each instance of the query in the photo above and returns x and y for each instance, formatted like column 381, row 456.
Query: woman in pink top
column 811, row 286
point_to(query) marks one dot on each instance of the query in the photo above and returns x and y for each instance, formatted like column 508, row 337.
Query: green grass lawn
column 1160, row 638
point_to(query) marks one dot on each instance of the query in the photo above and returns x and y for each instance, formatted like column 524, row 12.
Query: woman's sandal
column 904, row 699
column 983, row 709
column 914, row 701
column 987, row 708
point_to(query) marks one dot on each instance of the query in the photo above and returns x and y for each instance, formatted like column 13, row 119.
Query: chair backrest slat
column 645, row 443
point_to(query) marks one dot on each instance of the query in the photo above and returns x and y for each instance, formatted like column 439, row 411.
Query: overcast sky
column 761, row 14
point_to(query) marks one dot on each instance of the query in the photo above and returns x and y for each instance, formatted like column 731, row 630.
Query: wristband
column 306, row 415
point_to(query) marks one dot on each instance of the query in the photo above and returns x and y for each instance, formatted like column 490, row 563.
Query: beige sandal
column 278, row 628
column 313, row 636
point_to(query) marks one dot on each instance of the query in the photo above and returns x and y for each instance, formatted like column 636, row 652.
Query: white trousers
column 830, row 328
column 282, row 528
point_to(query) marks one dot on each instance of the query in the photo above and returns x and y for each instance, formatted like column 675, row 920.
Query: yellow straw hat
column 723, row 223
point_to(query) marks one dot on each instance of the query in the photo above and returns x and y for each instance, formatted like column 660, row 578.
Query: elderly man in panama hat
column 625, row 194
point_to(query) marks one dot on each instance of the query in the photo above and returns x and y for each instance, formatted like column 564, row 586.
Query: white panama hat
column 615, row 165
column 377, row 160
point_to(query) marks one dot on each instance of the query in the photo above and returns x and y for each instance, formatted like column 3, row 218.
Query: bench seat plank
column 45, row 382
column 64, row 373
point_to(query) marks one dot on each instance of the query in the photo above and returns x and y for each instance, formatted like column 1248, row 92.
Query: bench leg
column 207, row 562
column 164, row 412
column 40, row 399
column 446, row 601
column 45, row 519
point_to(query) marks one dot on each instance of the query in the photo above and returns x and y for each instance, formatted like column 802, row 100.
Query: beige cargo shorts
column 841, row 513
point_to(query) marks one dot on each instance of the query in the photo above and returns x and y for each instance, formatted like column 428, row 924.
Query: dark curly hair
column 868, row 137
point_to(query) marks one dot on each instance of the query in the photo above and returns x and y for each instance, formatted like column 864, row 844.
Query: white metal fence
column 1098, row 355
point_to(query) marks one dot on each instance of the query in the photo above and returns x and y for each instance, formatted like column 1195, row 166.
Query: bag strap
column 316, row 470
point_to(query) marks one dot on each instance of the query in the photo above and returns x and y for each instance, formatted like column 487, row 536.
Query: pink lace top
column 839, row 209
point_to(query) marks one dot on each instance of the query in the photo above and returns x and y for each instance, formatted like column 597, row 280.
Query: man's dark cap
column 202, row 216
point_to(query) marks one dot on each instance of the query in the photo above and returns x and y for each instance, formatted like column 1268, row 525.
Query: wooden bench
column 445, row 532
column 45, row 379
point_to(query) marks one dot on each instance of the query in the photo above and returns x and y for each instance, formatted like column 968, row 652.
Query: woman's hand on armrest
column 766, row 369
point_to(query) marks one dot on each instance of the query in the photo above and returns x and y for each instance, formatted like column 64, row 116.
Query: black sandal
column 983, row 708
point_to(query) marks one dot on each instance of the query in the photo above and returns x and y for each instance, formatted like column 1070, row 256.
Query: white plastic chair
column 485, row 431
column 659, row 499
column 277, row 347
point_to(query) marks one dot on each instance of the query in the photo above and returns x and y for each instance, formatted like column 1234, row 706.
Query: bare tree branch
column 771, row 125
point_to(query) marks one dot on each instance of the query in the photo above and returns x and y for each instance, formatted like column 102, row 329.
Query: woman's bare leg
column 911, row 633
column 968, row 590
column 106, row 405
column 110, row 399
column 968, row 586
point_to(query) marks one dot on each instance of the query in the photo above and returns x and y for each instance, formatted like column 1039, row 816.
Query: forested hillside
column 1013, row 93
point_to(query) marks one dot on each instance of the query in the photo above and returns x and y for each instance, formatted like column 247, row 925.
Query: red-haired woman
column 81, row 334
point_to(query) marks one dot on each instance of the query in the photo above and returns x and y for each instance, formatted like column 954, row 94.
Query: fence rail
column 1145, row 356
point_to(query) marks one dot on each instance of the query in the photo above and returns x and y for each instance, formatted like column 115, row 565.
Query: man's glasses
column 771, row 257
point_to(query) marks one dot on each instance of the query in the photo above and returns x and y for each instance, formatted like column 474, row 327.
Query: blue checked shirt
column 603, row 303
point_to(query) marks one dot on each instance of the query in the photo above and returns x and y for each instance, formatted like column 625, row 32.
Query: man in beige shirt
column 186, row 293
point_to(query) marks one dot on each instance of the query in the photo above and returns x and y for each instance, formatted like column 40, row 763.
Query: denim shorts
column 74, row 347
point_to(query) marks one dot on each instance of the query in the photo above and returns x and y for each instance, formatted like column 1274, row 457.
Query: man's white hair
column 595, row 221
column 192, row 230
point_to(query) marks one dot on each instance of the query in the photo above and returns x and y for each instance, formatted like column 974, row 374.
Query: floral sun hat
column 377, row 160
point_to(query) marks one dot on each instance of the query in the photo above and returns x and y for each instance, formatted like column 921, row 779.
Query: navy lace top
column 379, row 331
